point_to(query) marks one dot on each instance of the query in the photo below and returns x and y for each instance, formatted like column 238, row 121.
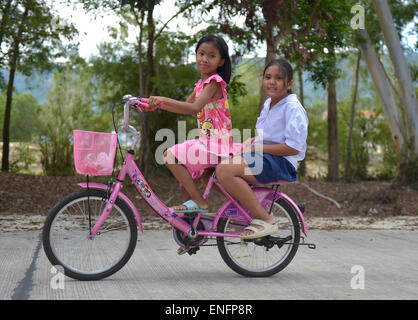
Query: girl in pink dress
column 188, row 160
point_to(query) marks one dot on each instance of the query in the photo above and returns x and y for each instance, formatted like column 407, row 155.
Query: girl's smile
column 275, row 84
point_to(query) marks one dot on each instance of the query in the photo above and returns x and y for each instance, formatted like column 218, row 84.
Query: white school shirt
column 286, row 122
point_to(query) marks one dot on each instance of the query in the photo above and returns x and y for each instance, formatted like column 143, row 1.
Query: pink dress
column 215, row 140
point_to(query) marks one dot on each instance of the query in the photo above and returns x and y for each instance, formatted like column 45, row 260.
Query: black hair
column 225, row 70
column 285, row 67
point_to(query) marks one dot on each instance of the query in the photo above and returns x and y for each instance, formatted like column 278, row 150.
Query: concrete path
column 347, row 264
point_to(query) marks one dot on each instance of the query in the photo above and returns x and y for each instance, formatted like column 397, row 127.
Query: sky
column 93, row 29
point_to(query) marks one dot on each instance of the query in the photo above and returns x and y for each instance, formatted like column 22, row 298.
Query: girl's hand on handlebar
column 155, row 102
column 146, row 106
column 141, row 104
column 137, row 104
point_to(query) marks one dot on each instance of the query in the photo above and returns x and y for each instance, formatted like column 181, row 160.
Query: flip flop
column 267, row 230
column 191, row 206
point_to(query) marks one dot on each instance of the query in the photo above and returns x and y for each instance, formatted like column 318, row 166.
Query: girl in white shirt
column 272, row 155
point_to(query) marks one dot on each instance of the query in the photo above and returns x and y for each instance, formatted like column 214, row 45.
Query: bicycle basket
column 94, row 152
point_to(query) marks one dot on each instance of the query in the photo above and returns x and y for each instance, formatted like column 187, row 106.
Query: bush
column 69, row 107
column 412, row 174
column 22, row 158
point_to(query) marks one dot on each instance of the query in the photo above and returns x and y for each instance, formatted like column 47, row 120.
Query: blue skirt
column 267, row 168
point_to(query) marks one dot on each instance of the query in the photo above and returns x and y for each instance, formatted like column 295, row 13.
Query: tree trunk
column 353, row 108
column 146, row 89
column 332, row 132
column 9, row 96
column 300, row 77
column 392, row 113
column 302, row 165
column 144, row 144
column 6, row 123
column 143, row 119
column 150, row 51
column 140, row 64
column 400, row 65
column 271, row 54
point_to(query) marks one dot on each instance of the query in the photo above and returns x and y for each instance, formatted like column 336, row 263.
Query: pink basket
column 94, row 152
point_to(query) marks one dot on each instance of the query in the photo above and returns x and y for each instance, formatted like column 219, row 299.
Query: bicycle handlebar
column 139, row 104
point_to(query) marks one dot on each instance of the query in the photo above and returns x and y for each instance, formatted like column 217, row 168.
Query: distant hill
column 39, row 85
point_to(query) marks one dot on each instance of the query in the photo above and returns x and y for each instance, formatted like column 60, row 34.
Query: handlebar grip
column 141, row 103
column 137, row 104
column 134, row 103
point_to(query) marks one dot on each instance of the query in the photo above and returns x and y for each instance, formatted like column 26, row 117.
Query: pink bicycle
column 93, row 233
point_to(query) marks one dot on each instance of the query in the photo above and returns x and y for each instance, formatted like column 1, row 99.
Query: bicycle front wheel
column 67, row 242
column 265, row 256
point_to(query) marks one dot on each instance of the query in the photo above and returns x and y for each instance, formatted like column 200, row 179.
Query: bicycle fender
column 121, row 195
column 228, row 209
column 295, row 206
column 289, row 201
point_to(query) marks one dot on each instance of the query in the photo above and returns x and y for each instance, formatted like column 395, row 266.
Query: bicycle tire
column 69, row 217
column 237, row 259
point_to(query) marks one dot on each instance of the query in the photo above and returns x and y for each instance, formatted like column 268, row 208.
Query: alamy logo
column 219, row 144
column 357, row 22
column 57, row 281
column 358, row 280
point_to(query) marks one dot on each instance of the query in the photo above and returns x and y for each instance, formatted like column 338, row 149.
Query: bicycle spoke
column 71, row 244
column 265, row 255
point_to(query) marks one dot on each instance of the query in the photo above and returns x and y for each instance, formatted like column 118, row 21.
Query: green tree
column 6, row 6
column 115, row 73
column 143, row 17
column 402, row 116
column 334, row 33
column 70, row 106
column 24, row 117
column 32, row 43
column 266, row 21
column 407, row 92
column 305, row 32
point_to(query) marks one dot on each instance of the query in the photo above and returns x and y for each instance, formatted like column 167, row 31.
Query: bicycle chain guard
column 187, row 242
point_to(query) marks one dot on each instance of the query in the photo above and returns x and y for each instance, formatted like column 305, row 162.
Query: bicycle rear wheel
column 66, row 238
column 265, row 256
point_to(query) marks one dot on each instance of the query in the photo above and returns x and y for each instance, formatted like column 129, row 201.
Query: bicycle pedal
column 193, row 250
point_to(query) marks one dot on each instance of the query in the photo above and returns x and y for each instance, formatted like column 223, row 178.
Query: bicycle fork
column 109, row 206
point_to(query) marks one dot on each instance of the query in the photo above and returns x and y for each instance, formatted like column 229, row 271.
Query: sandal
column 181, row 251
column 267, row 230
column 191, row 206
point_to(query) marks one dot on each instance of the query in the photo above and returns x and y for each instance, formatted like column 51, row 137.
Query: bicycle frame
column 230, row 209
column 238, row 212
column 175, row 219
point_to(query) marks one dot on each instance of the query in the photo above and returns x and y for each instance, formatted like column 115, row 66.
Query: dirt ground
column 30, row 196
column 27, row 199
